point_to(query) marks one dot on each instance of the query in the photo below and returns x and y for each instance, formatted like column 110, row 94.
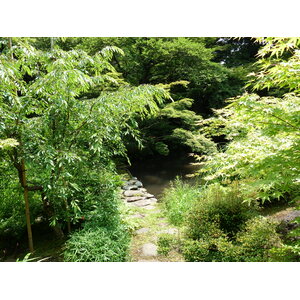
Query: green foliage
column 257, row 238
column 178, row 199
column 218, row 209
column 264, row 135
column 165, row 243
column 104, row 237
column 210, row 249
column 279, row 65
column 255, row 242
column 97, row 245
column 286, row 253
column 12, row 218
column 70, row 114
column 196, row 142
column 174, row 128
column 290, row 249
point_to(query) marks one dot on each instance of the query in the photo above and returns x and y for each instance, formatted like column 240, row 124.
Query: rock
column 286, row 215
column 149, row 249
column 138, row 184
column 169, row 231
column 147, row 195
column 133, row 199
column 142, row 230
column 133, row 193
column 149, row 207
column 154, row 200
column 130, row 186
column 163, row 224
column 134, row 178
column 147, row 260
column 132, row 182
column 143, row 190
column 138, row 216
column 141, row 203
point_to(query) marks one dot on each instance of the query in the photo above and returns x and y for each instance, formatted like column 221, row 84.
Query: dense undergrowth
column 260, row 163
column 218, row 225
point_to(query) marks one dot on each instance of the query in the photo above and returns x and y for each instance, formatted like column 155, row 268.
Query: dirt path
column 150, row 224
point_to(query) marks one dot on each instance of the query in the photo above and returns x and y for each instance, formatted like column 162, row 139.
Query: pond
column 157, row 173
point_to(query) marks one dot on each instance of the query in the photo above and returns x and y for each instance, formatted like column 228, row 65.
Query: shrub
column 218, row 209
column 165, row 244
column 257, row 238
column 97, row 245
column 178, row 199
column 210, row 249
column 286, row 253
column 258, row 241
column 104, row 238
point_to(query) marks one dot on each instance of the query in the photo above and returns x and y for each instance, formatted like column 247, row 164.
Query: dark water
column 157, row 173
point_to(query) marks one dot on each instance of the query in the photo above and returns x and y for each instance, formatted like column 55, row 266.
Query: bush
column 165, row 244
column 98, row 245
column 104, row 238
column 255, row 242
column 257, row 238
column 218, row 209
column 286, row 253
column 178, row 199
column 210, row 249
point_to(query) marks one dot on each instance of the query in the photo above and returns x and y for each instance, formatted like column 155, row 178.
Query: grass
column 154, row 220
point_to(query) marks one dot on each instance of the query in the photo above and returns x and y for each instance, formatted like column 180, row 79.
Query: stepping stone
column 148, row 260
column 141, row 203
column 147, row 195
column 142, row 230
column 149, row 249
column 133, row 193
column 163, row 224
column 130, row 187
column 133, row 199
column 138, row 216
column 153, row 200
column 150, row 207
column 169, row 231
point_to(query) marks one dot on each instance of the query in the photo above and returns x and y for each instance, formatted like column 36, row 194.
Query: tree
column 263, row 151
column 69, row 113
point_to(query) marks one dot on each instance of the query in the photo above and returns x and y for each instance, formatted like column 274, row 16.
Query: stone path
column 150, row 223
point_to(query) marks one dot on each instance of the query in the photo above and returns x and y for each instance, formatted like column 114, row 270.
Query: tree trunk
column 49, row 213
column 22, row 176
column 27, row 211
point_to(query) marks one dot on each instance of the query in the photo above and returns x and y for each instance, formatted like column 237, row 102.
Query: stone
column 138, row 184
column 132, row 193
column 141, row 203
column 163, row 224
column 142, row 230
column 149, row 249
column 169, row 231
column 149, row 207
column 147, row 195
column 132, row 181
column 133, row 199
column 147, row 260
column 143, row 190
column 154, row 200
column 138, row 216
